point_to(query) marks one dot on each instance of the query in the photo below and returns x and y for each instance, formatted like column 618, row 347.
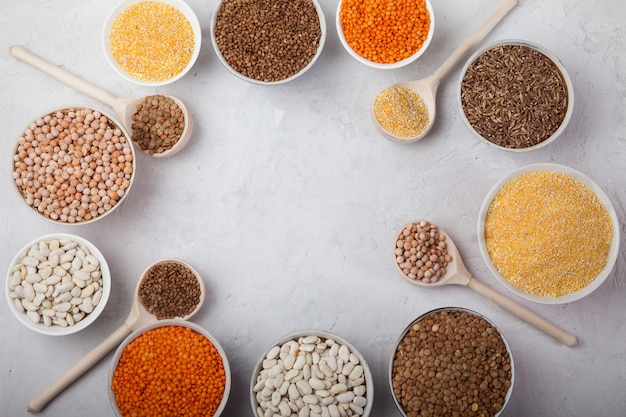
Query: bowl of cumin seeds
column 515, row 95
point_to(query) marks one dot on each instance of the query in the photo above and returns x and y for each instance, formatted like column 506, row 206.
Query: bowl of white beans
column 312, row 372
column 58, row 284
column 73, row 165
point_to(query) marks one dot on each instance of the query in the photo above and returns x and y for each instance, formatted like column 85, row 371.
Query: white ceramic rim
column 89, row 318
column 119, row 202
column 602, row 197
column 398, row 64
column 181, row 6
column 422, row 317
column 559, row 65
column 163, row 323
column 369, row 380
column 322, row 41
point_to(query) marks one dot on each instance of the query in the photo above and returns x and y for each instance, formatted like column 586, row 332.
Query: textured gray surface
column 287, row 202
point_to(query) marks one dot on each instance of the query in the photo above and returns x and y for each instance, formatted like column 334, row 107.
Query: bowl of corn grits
column 548, row 233
column 151, row 43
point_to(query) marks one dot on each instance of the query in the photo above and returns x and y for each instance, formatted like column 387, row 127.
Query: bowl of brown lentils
column 515, row 95
column 268, row 41
column 451, row 361
column 73, row 165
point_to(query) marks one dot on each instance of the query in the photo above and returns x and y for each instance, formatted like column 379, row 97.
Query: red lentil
column 385, row 31
column 547, row 233
column 169, row 371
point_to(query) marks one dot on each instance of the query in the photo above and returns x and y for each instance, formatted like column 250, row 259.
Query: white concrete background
column 287, row 201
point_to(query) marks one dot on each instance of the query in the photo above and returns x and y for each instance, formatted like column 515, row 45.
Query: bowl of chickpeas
column 169, row 368
column 73, row 165
column 142, row 49
column 385, row 35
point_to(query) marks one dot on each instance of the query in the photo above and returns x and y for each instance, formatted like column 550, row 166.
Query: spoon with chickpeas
column 168, row 289
column 405, row 112
column 427, row 257
column 160, row 125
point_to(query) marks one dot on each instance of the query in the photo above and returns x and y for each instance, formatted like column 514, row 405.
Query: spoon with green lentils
column 404, row 112
column 168, row 289
column 161, row 125
column 427, row 257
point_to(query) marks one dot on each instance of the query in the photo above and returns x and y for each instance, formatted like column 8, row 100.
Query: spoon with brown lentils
column 427, row 257
column 160, row 125
column 168, row 289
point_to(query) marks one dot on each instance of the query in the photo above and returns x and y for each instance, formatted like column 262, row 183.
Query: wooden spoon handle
column 85, row 363
column 63, row 76
column 523, row 313
column 475, row 38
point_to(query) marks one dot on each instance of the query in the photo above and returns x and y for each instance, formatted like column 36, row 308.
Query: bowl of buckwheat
column 58, row 284
column 515, row 95
column 74, row 165
column 275, row 41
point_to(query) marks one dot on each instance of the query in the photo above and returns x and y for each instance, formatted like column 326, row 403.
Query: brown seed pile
column 268, row 40
column 73, row 165
column 158, row 124
column 514, row 96
column 421, row 252
column 169, row 290
column 451, row 363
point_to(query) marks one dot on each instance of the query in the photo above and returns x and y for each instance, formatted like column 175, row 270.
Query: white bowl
column 562, row 70
column 57, row 330
column 166, row 323
column 425, row 315
column 378, row 65
column 322, row 22
column 182, row 7
column 602, row 197
column 369, row 381
column 60, row 221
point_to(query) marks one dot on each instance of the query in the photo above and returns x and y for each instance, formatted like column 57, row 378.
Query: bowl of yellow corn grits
column 151, row 43
column 548, row 233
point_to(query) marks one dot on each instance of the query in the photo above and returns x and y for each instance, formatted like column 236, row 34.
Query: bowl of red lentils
column 385, row 34
column 151, row 43
column 548, row 233
column 169, row 368
column 312, row 372
column 58, row 284
column 451, row 361
column 74, row 165
column 275, row 41
column 515, row 95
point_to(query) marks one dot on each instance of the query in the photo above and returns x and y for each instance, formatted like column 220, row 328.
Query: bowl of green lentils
column 268, row 42
column 151, row 43
column 548, row 233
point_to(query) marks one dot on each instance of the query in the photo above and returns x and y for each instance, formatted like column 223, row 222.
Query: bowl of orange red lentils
column 169, row 368
column 548, row 233
column 151, row 42
column 73, row 165
column 385, row 34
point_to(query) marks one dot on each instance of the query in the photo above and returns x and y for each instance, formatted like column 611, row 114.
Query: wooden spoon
column 456, row 273
column 125, row 108
column 426, row 88
column 137, row 318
